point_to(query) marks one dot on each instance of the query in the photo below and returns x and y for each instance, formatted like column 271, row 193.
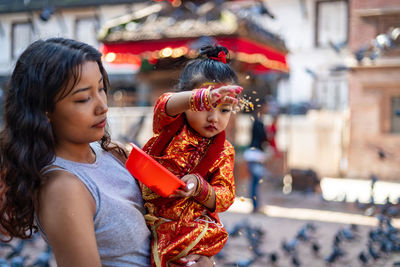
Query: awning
column 257, row 57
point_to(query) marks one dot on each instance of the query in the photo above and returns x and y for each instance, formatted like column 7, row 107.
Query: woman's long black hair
column 27, row 142
column 206, row 68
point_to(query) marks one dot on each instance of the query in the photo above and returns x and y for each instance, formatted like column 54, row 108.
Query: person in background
column 255, row 155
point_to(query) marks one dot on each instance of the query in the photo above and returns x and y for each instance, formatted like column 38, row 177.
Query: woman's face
column 209, row 123
column 80, row 117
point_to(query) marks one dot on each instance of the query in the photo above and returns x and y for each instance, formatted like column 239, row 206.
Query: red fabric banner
column 256, row 56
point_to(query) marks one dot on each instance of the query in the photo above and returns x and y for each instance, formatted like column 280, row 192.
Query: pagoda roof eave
column 279, row 47
column 259, row 55
column 160, row 22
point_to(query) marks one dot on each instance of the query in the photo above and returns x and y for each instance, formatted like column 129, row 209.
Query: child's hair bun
column 212, row 51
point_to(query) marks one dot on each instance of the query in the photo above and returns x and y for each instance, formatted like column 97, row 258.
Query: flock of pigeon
column 381, row 241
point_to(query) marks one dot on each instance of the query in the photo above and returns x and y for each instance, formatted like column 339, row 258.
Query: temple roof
column 163, row 21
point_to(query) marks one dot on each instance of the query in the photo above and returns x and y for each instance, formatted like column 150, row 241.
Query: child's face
column 80, row 117
column 210, row 123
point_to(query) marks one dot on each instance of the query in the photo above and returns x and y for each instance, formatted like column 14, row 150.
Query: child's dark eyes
column 224, row 110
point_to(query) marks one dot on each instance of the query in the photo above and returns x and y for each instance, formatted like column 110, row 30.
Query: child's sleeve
column 160, row 117
column 222, row 179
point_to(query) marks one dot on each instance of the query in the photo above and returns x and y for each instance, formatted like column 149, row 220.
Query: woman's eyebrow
column 81, row 90
column 85, row 88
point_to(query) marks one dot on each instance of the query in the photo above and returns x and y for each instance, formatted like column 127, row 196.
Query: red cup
column 151, row 173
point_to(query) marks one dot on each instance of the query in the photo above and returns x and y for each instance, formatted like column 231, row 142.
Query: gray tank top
column 122, row 236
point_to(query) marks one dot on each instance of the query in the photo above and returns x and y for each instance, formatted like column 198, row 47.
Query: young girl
column 59, row 172
column 189, row 140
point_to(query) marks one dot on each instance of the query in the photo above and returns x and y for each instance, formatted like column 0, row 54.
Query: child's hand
column 226, row 94
column 191, row 185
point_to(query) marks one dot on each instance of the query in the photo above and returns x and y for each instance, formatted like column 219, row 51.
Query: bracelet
column 191, row 102
column 200, row 96
column 207, row 100
column 207, row 196
column 200, row 99
column 197, row 190
column 203, row 191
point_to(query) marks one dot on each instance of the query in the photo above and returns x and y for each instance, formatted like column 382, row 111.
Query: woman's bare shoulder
column 63, row 187
column 58, row 179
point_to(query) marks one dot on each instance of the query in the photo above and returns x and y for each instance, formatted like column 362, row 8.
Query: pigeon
column 273, row 257
column 363, row 258
column 337, row 239
column 295, row 260
column 374, row 254
column 315, row 247
column 386, row 246
column 289, row 246
column 354, row 227
column 302, row 234
column 348, row 234
column 336, row 254
column 337, row 46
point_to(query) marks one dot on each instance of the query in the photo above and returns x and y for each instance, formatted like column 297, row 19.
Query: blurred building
column 346, row 55
column 24, row 21
column 375, row 89
column 316, row 34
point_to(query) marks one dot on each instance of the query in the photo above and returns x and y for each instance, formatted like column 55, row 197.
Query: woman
column 54, row 177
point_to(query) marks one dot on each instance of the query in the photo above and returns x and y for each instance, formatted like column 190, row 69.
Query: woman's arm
column 65, row 210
